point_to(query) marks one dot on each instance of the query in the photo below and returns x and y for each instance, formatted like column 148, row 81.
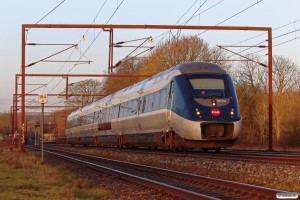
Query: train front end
column 206, row 107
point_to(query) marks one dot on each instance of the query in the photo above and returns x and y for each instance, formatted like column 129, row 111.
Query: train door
column 134, row 106
column 169, row 102
column 140, row 109
column 94, row 127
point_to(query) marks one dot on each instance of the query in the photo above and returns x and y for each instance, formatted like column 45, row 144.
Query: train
column 192, row 105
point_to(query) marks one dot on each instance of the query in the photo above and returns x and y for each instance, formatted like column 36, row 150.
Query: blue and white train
column 191, row 105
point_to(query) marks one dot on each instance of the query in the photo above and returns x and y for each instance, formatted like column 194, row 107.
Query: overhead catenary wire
column 90, row 44
column 275, row 29
column 204, row 11
column 47, row 15
column 163, row 35
column 94, row 20
column 276, row 45
column 170, row 30
column 201, row 5
column 178, row 31
column 275, row 37
column 219, row 22
column 101, row 8
column 118, row 44
column 98, row 34
column 279, row 44
column 258, row 1
column 186, row 11
column 63, row 65
column 234, row 15
column 261, row 34
column 53, row 9
column 109, row 19
column 284, row 34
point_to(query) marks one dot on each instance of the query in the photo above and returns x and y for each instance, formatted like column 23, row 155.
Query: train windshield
column 210, row 87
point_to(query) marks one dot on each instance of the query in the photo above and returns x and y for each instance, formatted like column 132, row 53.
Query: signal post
column 42, row 99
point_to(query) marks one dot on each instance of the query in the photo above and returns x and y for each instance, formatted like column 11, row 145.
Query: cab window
column 208, row 88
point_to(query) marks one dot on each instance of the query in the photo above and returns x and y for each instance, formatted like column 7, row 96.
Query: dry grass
column 24, row 177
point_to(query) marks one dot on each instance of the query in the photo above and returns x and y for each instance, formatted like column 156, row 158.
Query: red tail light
column 215, row 112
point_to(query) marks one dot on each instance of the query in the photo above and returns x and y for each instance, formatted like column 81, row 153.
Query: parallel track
column 183, row 185
column 269, row 157
column 248, row 156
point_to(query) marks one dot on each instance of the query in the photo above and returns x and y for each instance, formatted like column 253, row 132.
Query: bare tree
column 165, row 55
column 251, row 82
column 252, row 74
column 285, row 78
column 88, row 87
column 179, row 50
column 285, row 74
column 114, row 84
column 261, row 117
column 5, row 123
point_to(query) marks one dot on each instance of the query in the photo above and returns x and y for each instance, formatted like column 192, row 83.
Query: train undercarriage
column 167, row 140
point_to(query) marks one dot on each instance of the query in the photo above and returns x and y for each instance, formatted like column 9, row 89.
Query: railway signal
column 42, row 99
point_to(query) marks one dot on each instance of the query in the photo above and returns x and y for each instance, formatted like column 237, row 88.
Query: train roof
column 199, row 67
column 184, row 68
column 151, row 84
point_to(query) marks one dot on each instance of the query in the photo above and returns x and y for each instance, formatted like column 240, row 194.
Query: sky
column 282, row 16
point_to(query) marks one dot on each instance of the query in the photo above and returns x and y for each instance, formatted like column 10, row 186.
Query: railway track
column 182, row 185
column 250, row 156
column 270, row 157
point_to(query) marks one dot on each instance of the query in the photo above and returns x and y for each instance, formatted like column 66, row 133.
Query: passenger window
column 156, row 100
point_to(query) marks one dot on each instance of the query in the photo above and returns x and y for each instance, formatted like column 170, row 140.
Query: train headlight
column 232, row 113
column 214, row 102
column 197, row 112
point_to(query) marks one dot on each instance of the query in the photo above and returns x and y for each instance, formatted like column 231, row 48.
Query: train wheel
column 217, row 150
column 172, row 147
column 177, row 147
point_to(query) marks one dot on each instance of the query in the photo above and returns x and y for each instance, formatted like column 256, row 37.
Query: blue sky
column 13, row 13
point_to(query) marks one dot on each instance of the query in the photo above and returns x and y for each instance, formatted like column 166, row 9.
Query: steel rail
column 242, row 188
column 289, row 159
column 137, row 179
column 270, row 157
column 223, row 183
column 259, row 157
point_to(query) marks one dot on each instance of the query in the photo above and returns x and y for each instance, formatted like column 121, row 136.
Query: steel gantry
column 111, row 27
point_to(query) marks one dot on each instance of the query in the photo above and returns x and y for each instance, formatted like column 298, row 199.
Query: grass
column 22, row 176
